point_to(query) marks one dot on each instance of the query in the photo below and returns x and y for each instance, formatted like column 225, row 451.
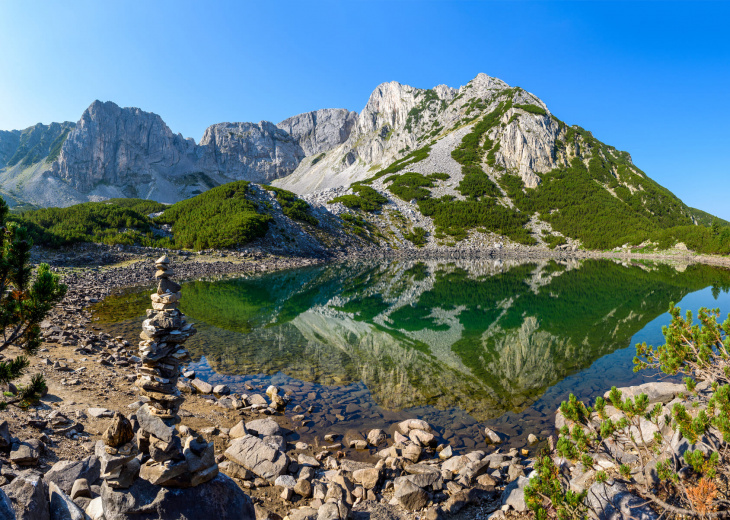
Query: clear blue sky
column 650, row 78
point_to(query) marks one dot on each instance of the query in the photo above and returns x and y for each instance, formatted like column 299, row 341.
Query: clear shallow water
column 461, row 344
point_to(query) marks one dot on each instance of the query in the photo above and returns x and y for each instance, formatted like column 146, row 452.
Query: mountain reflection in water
column 480, row 339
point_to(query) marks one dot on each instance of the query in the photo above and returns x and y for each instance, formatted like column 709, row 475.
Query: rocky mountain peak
column 117, row 145
column 388, row 105
column 321, row 130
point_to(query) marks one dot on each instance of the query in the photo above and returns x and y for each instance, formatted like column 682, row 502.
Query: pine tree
column 26, row 297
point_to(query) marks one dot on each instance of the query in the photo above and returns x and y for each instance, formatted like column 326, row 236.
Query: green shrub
column 532, row 109
column 417, row 237
column 292, row 206
column 365, row 199
column 107, row 222
column 409, row 186
column 222, row 217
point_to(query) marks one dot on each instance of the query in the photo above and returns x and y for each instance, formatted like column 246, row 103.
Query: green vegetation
column 416, row 113
column 699, row 351
column 37, row 142
column 480, row 210
column 409, row 186
column 222, row 217
column 365, row 199
column 359, row 226
column 141, row 206
column 318, row 158
column 417, row 237
column 56, row 145
column 554, row 241
column 27, row 298
column 455, row 217
column 702, row 218
column 292, row 206
column 118, row 221
column 532, row 109
column 575, row 201
column 412, row 158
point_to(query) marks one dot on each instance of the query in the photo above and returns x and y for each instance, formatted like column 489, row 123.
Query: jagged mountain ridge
column 126, row 152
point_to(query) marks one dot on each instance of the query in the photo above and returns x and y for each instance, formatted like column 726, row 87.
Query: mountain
column 484, row 165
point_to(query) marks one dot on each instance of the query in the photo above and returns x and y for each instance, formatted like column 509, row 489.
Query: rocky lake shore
column 406, row 472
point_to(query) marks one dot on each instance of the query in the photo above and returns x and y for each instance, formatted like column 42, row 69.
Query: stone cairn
column 172, row 462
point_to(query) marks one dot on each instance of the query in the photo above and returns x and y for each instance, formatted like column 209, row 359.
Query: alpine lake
column 461, row 344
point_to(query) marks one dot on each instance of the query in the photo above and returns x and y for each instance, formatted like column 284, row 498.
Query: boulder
column 514, row 494
column 219, row 498
column 413, row 424
column 6, row 440
column 221, row 390
column 239, row 430
column 27, row 494
column 254, row 454
column 367, row 478
column 26, row 453
column 80, row 489
column 613, row 501
column 410, row 496
column 65, row 472
column 412, row 453
column 333, row 511
column 285, row 481
column 307, row 461
column 376, row 437
column 303, row 513
column 234, row 470
column 455, row 463
column 263, row 427
column 422, row 438
column 493, row 437
column 61, row 505
column 201, row 386
column 657, row 392
column 100, row 412
column 257, row 399
column 6, row 508
column 95, row 509
column 303, row 488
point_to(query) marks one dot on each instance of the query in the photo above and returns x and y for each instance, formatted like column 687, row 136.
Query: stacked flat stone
column 172, row 462
column 117, row 453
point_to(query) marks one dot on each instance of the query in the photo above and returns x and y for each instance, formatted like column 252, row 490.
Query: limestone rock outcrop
column 249, row 151
column 120, row 146
column 319, row 131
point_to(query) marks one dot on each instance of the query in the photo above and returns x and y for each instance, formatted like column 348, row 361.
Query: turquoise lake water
column 461, row 344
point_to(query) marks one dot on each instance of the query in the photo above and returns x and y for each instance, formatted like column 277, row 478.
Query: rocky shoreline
column 411, row 474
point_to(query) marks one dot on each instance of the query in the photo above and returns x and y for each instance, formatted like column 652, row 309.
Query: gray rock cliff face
column 248, row 151
column 320, row 131
column 121, row 146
